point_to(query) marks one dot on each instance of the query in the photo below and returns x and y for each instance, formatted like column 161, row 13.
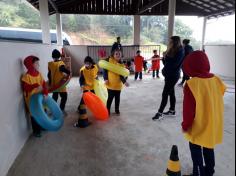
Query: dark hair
column 154, row 51
column 186, row 41
column 56, row 54
column 115, row 50
column 118, row 38
column 89, row 60
column 138, row 52
column 34, row 59
column 176, row 46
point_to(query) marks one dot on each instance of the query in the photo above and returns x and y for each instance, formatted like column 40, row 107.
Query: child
column 203, row 110
column 88, row 73
column 187, row 50
column 155, row 64
column 56, row 72
column 138, row 62
column 114, row 82
column 32, row 83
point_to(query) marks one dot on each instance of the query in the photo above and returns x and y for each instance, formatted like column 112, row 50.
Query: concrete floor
column 127, row 145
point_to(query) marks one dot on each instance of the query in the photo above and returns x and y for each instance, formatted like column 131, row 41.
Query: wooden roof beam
column 53, row 5
column 149, row 6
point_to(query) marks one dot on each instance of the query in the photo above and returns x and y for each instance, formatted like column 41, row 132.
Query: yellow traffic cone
column 174, row 168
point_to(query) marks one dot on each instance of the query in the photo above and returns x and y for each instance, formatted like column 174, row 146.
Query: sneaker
column 158, row 116
column 169, row 113
column 64, row 113
column 117, row 112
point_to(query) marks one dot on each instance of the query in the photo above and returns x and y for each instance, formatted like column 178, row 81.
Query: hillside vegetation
column 93, row 29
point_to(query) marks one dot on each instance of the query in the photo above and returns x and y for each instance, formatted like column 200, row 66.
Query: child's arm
column 45, row 89
column 63, row 69
column 81, row 79
column 189, row 109
column 49, row 77
column 29, row 87
column 124, row 80
column 105, row 76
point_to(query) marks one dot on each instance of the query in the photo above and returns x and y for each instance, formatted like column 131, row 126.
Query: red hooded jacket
column 195, row 64
column 28, row 62
column 138, row 62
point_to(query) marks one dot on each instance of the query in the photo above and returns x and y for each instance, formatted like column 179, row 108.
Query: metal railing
column 129, row 51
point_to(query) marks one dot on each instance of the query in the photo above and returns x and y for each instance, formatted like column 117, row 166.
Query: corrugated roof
column 207, row 8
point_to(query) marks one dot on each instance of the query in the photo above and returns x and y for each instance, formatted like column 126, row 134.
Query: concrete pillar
column 44, row 16
column 171, row 19
column 204, row 32
column 137, row 29
column 59, row 29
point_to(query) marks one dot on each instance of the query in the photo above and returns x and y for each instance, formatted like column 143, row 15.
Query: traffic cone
column 174, row 168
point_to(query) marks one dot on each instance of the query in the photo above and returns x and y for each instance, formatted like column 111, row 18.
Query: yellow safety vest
column 89, row 76
column 27, row 78
column 56, row 74
column 114, row 82
column 207, row 128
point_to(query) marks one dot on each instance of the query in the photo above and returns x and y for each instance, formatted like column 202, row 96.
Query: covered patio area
column 127, row 145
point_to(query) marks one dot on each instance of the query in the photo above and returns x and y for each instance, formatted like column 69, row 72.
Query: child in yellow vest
column 114, row 82
column 32, row 83
column 88, row 73
column 203, row 110
column 56, row 72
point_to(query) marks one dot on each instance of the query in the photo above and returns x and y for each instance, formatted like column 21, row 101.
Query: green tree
column 182, row 30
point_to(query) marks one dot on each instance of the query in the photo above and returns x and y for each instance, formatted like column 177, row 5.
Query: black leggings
column 155, row 73
column 169, row 90
column 63, row 96
column 138, row 74
column 199, row 154
column 111, row 95
column 35, row 126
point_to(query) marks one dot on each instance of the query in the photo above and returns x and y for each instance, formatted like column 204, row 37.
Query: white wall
column 222, row 59
column 13, row 123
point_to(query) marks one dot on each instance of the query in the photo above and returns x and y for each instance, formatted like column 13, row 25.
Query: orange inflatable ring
column 96, row 106
column 60, row 85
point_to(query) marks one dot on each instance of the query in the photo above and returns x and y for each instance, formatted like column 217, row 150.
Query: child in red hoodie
column 33, row 82
column 138, row 62
column 203, row 110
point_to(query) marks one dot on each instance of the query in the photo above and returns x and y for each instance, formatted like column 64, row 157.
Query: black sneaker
column 117, row 112
column 65, row 113
column 158, row 116
column 169, row 113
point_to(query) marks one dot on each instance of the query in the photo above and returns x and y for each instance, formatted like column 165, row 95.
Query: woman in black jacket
column 172, row 61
